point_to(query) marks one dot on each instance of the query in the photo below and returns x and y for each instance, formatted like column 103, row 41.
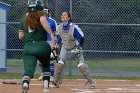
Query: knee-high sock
column 52, row 69
column 26, row 79
column 46, row 79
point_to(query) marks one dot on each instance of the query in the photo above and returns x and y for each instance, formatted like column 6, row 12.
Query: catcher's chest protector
column 67, row 37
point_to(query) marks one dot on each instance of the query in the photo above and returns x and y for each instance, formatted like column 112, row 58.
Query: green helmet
column 35, row 5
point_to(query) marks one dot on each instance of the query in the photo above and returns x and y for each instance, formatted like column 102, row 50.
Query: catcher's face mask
column 45, row 10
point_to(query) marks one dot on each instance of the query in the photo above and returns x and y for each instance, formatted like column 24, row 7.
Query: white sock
column 46, row 84
column 25, row 85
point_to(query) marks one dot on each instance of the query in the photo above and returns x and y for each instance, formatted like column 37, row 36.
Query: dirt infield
column 78, row 86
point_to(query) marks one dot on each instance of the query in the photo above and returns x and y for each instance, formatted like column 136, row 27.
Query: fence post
column 70, row 65
column 71, row 7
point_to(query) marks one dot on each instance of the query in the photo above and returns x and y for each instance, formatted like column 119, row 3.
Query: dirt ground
column 78, row 86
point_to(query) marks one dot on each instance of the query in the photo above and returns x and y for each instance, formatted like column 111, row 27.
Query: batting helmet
column 35, row 5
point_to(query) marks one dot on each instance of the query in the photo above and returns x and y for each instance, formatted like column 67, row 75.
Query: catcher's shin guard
column 59, row 70
column 85, row 72
column 58, row 74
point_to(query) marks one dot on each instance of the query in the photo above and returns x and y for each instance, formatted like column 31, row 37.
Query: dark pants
column 33, row 51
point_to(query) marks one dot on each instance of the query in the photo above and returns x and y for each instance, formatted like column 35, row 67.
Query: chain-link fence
column 111, row 28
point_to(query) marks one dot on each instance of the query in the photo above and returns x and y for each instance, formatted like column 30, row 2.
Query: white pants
column 64, row 55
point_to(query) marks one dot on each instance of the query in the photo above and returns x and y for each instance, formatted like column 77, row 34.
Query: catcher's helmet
column 46, row 10
column 35, row 5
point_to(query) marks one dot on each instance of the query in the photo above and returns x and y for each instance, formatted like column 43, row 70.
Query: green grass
column 7, row 75
column 118, row 64
column 19, row 76
column 102, row 77
column 124, row 64
column 14, row 63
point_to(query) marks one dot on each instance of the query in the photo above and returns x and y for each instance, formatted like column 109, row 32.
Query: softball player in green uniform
column 33, row 28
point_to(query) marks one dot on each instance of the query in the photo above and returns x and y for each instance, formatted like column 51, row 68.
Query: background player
column 33, row 28
column 72, row 40
column 53, row 26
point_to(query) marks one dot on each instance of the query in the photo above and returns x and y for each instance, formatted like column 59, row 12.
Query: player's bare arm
column 21, row 35
column 47, row 28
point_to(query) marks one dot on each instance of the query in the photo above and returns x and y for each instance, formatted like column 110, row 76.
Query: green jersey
column 35, row 48
column 30, row 35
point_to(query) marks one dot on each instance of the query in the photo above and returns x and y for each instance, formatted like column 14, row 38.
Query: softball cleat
column 40, row 77
column 46, row 90
column 25, row 88
column 55, row 84
column 91, row 86
column 51, row 79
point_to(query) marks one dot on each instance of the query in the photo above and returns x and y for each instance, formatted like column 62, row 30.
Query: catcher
column 72, row 41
